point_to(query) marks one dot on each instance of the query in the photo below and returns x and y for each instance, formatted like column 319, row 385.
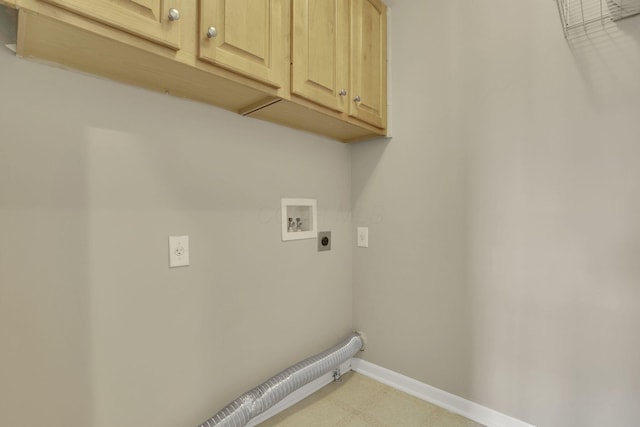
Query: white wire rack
column 583, row 15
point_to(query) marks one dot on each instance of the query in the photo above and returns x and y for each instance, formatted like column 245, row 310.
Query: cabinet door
column 250, row 37
column 320, row 52
column 369, row 62
column 144, row 18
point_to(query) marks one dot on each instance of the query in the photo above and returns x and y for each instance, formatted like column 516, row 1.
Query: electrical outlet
column 324, row 241
column 363, row 237
column 178, row 251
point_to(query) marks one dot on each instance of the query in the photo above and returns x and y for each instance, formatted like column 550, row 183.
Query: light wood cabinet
column 320, row 52
column 369, row 62
column 339, row 56
column 149, row 19
column 300, row 63
column 248, row 37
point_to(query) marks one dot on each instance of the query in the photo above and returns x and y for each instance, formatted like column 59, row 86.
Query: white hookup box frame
column 304, row 214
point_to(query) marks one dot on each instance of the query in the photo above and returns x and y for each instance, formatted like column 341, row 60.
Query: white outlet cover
column 178, row 251
column 363, row 237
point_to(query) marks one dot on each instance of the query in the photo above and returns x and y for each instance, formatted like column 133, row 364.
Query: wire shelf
column 579, row 16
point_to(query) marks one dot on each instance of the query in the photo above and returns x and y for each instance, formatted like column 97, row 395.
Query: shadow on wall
column 367, row 164
column 45, row 300
column 608, row 58
column 8, row 25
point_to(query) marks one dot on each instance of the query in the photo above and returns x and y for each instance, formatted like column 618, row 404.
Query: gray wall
column 505, row 238
column 95, row 329
column 504, row 259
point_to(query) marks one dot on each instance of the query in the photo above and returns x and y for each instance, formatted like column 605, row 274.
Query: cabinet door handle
column 357, row 98
column 174, row 14
column 212, row 32
column 343, row 92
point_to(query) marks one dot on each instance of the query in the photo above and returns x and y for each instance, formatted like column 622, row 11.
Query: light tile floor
column 358, row 401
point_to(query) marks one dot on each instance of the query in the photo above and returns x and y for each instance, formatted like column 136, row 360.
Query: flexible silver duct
column 253, row 403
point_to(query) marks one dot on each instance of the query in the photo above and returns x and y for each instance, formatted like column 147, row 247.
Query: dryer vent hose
column 256, row 401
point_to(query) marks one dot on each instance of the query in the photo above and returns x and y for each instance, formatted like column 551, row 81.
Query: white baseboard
column 473, row 411
column 298, row 395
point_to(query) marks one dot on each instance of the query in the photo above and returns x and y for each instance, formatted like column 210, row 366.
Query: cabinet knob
column 212, row 32
column 174, row 14
column 343, row 92
column 357, row 98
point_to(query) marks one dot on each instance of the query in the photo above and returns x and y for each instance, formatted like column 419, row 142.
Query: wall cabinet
column 155, row 20
column 316, row 65
column 320, row 52
column 369, row 62
column 247, row 36
column 339, row 56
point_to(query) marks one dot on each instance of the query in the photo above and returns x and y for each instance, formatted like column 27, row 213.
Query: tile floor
column 359, row 401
